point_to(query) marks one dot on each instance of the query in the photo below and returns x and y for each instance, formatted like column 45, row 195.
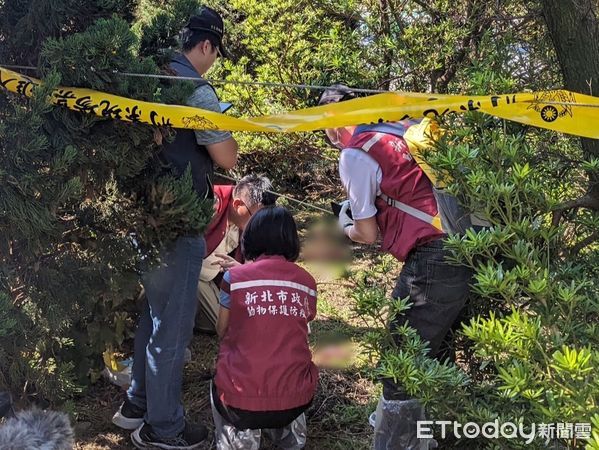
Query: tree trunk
column 574, row 29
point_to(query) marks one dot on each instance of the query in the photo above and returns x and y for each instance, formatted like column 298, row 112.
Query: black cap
column 336, row 93
column 208, row 20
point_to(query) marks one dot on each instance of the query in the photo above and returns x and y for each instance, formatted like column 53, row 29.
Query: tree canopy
column 77, row 191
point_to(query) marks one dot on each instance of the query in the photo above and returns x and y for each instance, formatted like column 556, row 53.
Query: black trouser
column 254, row 420
column 437, row 291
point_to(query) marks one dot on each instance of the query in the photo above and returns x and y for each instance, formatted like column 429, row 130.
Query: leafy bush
column 527, row 349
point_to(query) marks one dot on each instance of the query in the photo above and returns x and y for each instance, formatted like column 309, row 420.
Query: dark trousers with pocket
column 438, row 291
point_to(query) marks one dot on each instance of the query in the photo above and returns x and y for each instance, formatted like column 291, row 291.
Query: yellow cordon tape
column 562, row 111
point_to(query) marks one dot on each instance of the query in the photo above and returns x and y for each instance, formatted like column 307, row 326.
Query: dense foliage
column 76, row 191
column 74, row 187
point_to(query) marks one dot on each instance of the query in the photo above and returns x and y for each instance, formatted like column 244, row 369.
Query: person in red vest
column 234, row 205
column 389, row 193
column 265, row 378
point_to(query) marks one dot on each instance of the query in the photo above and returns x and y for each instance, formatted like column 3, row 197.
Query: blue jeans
column 164, row 331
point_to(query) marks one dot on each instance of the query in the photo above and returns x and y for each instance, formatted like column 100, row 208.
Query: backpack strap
column 435, row 221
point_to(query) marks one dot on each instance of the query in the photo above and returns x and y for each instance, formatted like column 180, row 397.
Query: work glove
column 345, row 219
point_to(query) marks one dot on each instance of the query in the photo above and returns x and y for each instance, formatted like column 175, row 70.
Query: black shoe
column 129, row 416
column 190, row 438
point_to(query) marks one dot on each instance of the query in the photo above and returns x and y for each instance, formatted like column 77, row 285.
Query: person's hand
column 344, row 219
column 225, row 261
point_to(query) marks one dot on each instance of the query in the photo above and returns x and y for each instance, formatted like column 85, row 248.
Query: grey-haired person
column 234, row 206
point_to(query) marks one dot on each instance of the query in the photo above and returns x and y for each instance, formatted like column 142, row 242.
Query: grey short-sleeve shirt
column 204, row 97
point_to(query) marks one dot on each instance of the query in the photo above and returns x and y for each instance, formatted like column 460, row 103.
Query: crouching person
column 265, row 379
column 234, row 205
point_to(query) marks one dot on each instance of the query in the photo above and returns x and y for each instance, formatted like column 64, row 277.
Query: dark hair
column 271, row 231
column 256, row 190
column 190, row 38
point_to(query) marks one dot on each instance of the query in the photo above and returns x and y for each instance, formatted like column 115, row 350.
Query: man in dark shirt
column 153, row 407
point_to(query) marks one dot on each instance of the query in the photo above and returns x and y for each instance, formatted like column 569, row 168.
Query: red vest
column 218, row 225
column 405, row 184
column 264, row 361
